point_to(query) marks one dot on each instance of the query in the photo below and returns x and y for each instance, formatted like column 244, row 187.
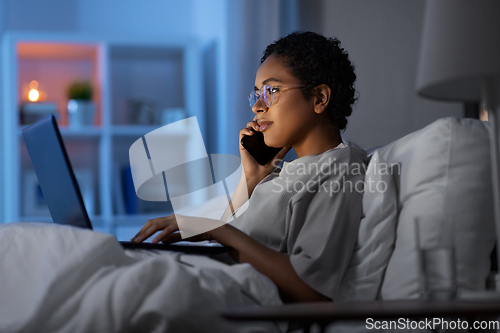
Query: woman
column 300, row 224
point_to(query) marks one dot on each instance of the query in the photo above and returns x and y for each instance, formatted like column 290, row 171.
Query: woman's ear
column 322, row 98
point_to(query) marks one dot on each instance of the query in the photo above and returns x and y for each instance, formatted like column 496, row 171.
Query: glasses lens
column 267, row 95
column 252, row 99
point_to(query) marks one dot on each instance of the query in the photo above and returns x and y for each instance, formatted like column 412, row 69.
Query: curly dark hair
column 314, row 60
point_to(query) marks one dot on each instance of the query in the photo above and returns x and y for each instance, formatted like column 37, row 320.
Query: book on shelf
column 129, row 196
column 126, row 201
column 118, row 195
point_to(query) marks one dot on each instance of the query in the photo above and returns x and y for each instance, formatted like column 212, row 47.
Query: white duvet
column 63, row 279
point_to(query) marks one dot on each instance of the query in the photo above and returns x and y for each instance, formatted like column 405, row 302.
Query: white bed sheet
column 63, row 279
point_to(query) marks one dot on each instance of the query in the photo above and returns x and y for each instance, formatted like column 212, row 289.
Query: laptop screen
column 55, row 175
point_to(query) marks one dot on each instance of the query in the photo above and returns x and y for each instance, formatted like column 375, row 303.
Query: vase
column 81, row 113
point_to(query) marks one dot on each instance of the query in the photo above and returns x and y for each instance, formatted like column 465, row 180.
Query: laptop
column 62, row 193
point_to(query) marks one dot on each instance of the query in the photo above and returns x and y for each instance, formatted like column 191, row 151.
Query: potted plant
column 81, row 108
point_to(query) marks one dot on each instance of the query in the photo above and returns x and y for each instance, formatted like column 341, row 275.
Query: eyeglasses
column 269, row 94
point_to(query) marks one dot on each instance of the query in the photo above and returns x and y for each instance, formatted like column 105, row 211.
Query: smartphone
column 256, row 146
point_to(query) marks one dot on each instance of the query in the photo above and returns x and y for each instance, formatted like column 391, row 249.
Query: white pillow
column 376, row 236
column 442, row 170
column 446, row 172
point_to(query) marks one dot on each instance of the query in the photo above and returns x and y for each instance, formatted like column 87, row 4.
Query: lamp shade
column 460, row 49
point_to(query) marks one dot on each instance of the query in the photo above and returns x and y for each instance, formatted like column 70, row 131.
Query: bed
column 64, row 279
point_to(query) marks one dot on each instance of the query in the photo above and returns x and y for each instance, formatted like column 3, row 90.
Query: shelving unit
column 159, row 73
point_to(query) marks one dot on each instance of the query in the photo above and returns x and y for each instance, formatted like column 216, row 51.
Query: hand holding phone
column 256, row 146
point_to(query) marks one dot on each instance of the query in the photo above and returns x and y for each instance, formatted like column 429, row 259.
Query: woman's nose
column 259, row 106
